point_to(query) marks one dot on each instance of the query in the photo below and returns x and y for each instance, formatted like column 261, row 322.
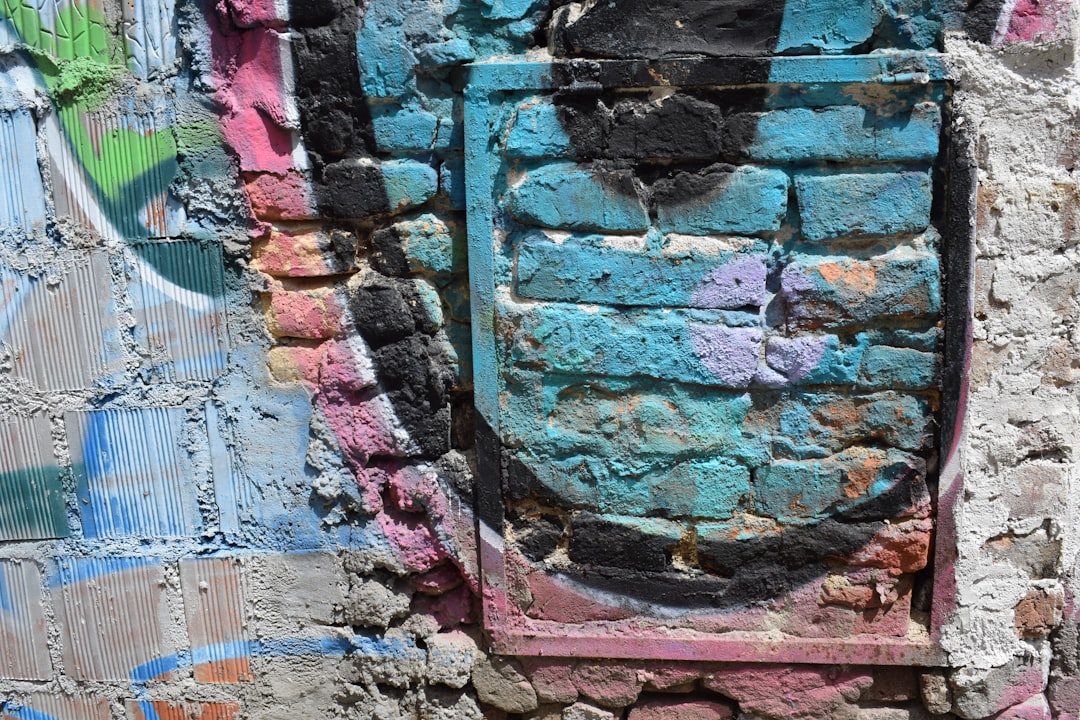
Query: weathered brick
column 677, row 708
column 587, row 269
column 425, row 244
column 692, row 346
column 798, row 490
column 815, row 359
column 626, row 542
column 536, row 132
column 745, row 200
column 847, row 133
column 608, row 683
column 405, row 128
column 408, row 183
column 312, row 311
column 574, row 197
column 900, row 368
column 280, row 197
column 1039, row 612
column 836, row 205
column 836, row 292
column 308, row 251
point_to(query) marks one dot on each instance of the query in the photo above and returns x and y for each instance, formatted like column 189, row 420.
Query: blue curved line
column 25, row 713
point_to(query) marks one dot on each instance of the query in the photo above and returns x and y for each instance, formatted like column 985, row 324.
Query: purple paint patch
column 795, row 357
column 731, row 354
column 738, row 282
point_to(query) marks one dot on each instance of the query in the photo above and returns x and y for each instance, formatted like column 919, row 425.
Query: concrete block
column 31, row 492
column 24, row 642
column 847, row 133
column 63, row 336
column 294, row 593
column 134, row 476
column 100, row 643
column 177, row 292
column 216, row 611
column 22, row 204
column 168, row 710
column 746, row 200
column 499, row 682
column 57, row 707
column 837, row 205
column 150, row 34
column 571, row 197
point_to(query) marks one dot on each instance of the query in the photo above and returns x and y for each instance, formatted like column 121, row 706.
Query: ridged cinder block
column 63, row 335
column 24, row 640
column 133, row 472
column 31, row 492
column 111, row 613
column 54, row 706
column 575, row 197
column 838, row 205
column 150, row 35
column 177, row 292
column 168, row 710
column 22, row 200
column 215, row 607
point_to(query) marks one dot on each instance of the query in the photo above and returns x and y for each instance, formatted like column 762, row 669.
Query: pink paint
column 343, row 369
column 247, row 73
column 457, row 607
column 313, row 314
column 438, row 580
column 250, row 13
column 280, row 196
column 1034, row 708
column 293, row 254
column 790, row 692
column 412, row 539
column 1038, row 21
column 551, row 679
column 680, row 709
column 608, row 683
column 363, row 425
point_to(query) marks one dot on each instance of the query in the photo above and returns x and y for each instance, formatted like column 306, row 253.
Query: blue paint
column 409, row 183
column 847, row 134
column 829, row 26
column 406, row 127
column 569, row 197
column 835, row 205
column 22, row 203
column 900, row 368
column 452, row 182
column 25, row 713
column 536, row 132
column 71, row 570
column 751, row 200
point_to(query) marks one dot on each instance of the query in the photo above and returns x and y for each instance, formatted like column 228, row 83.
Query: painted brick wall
column 512, row 359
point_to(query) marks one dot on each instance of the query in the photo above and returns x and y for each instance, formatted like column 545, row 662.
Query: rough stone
column 450, row 658
column 498, row 682
column 584, row 711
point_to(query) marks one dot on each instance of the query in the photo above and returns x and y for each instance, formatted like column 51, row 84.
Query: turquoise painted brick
column 713, row 489
column 799, row 491
column 406, row 128
column 452, row 182
column 752, row 200
column 536, row 132
column 835, row 205
column 839, row 291
column 847, row 133
column 815, row 359
column 408, row 183
column 602, row 419
column 833, row 26
column 431, row 245
column 900, row 368
column 571, row 197
column 691, row 346
column 583, row 269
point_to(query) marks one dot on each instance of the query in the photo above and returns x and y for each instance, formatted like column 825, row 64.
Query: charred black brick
column 387, row 256
column 415, row 375
column 381, row 313
column 537, row 537
column 350, row 189
column 681, row 128
column 646, row 29
column 599, row 542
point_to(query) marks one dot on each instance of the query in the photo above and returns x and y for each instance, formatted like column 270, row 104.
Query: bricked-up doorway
column 711, row 355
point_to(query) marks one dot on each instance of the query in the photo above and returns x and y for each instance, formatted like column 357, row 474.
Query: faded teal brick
column 847, row 133
column 431, row 245
column 584, row 269
column 834, row 205
column 899, row 368
column 753, row 200
column 452, row 182
column 404, row 128
column 568, row 196
column 829, row 25
column 408, row 183
column 536, row 132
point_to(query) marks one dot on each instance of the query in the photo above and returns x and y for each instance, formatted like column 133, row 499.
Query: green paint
column 32, row 504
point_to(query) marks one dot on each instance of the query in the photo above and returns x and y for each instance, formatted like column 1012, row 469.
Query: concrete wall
column 506, row 359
